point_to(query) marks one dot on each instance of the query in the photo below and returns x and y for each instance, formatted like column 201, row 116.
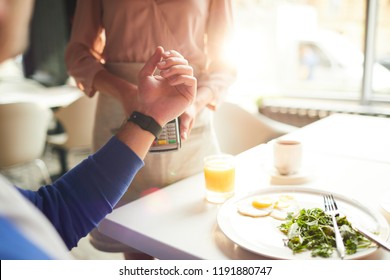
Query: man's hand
column 166, row 96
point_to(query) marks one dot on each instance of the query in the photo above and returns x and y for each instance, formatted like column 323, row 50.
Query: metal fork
column 332, row 210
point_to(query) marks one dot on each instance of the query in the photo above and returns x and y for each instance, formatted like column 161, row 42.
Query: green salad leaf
column 312, row 229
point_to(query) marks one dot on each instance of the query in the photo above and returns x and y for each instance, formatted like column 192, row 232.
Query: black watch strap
column 146, row 123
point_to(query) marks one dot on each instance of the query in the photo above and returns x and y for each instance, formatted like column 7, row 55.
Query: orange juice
column 219, row 174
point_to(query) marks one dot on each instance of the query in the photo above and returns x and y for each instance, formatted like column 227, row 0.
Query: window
column 311, row 49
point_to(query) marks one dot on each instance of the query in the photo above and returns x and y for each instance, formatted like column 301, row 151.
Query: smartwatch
column 146, row 123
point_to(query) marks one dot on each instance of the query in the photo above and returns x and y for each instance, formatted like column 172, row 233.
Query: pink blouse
column 130, row 30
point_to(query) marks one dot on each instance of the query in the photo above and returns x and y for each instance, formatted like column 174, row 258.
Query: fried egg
column 285, row 204
column 256, row 207
column 263, row 202
column 284, row 201
column 281, row 214
column 261, row 206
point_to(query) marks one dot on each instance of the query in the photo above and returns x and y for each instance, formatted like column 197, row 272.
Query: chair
column 239, row 129
column 77, row 120
column 23, row 130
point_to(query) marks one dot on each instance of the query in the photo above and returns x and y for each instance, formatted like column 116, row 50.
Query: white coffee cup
column 287, row 156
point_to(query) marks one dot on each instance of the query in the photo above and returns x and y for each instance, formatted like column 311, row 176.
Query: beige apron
column 161, row 169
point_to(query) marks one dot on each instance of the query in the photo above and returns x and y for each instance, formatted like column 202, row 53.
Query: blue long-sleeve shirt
column 78, row 201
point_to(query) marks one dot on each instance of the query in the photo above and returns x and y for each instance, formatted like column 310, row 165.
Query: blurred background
column 308, row 50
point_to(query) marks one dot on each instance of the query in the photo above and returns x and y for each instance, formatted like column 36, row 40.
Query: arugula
column 312, row 230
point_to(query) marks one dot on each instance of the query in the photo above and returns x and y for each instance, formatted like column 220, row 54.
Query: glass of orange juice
column 219, row 174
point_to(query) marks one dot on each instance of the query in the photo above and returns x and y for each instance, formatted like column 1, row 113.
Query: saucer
column 301, row 177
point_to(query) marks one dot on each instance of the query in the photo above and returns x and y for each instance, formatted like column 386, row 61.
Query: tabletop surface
column 355, row 136
column 52, row 97
column 177, row 223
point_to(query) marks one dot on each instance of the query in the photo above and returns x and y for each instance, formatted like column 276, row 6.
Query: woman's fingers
column 186, row 122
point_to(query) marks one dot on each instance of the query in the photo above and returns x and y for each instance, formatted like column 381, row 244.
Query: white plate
column 262, row 236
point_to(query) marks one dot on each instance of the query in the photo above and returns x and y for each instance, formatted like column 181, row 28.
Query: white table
column 177, row 223
column 353, row 136
column 52, row 97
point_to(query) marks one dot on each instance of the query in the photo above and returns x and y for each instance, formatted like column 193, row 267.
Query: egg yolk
column 262, row 202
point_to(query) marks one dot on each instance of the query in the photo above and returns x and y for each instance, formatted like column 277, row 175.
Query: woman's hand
column 166, row 96
column 187, row 120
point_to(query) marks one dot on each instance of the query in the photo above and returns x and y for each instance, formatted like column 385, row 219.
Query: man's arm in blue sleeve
column 80, row 199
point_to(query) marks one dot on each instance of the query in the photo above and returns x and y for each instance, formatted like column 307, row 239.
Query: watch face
column 142, row 120
column 146, row 123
